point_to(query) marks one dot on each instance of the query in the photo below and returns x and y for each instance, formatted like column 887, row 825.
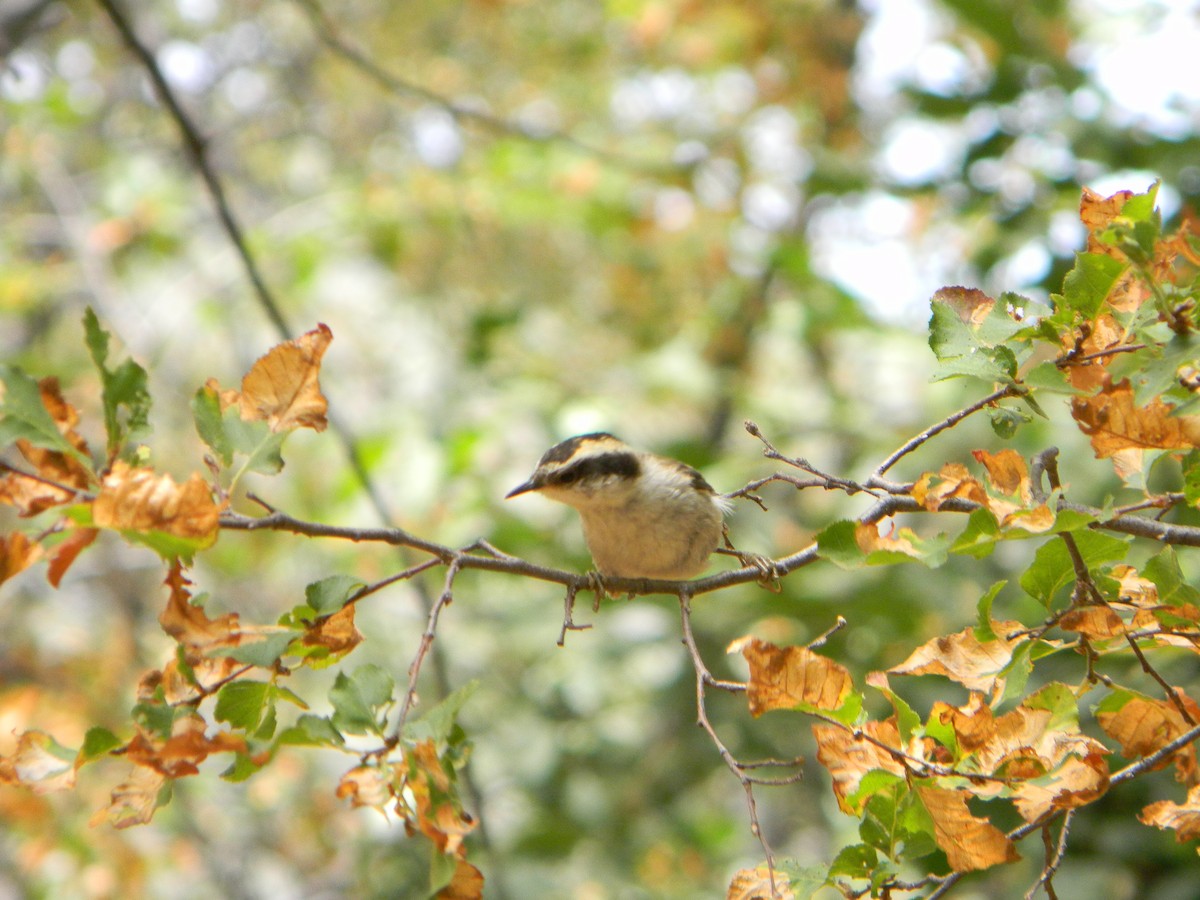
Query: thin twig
column 948, row 422
column 1055, row 851
column 427, row 638
column 703, row 679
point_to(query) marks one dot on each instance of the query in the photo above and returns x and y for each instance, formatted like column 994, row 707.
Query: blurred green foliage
column 651, row 217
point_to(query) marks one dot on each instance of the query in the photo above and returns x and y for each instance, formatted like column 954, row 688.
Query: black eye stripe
column 623, row 465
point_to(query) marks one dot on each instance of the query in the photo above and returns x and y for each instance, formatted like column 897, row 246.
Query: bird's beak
column 531, row 485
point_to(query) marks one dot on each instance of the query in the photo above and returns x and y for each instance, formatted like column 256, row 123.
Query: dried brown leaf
column 755, row 884
column 189, row 624
column 969, row 843
column 282, row 387
column 134, row 800
column 34, row 765
column 849, row 759
column 953, row 482
column 962, row 657
column 181, row 753
column 1096, row 622
column 1097, row 214
column 136, row 499
column 1183, row 818
column 17, row 554
column 337, row 633
column 1114, row 423
column 366, row 786
column 971, row 304
column 467, row 883
column 1144, row 726
column 784, row 677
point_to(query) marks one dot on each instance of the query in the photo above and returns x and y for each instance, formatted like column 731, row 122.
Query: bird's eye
column 566, row 476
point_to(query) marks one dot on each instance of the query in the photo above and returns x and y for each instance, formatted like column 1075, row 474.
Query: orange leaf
column 1007, row 472
column 337, row 632
column 1097, row 622
column 184, row 750
column 135, row 499
column 189, row 624
column 954, row 482
column 969, row 843
column 962, row 657
column 467, row 883
column 849, row 759
column 785, row 677
column 66, row 553
column 16, row 554
column 1183, row 818
column 870, row 539
column 282, row 386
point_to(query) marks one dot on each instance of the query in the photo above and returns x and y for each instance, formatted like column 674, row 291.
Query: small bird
column 644, row 516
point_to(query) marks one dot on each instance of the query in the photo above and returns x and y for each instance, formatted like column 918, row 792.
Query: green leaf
column 1089, row 283
column 243, row 703
column 155, row 717
column 125, row 387
column 837, row 544
column 358, row 698
column 854, row 861
column 1007, row 419
column 1163, row 569
column 170, row 546
column 1052, row 569
column 243, row 767
column 310, row 730
column 803, row 881
column 979, row 537
column 210, row 424
column 438, row 722
column 1046, row 376
column 255, row 441
column 1060, row 701
column 96, row 743
column 1016, row 673
column 23, row 415
column 264, row 652
column 983, row 630
column 330, row 594
column 1191, row 478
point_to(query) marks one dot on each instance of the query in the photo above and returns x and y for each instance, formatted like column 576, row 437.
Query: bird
column 644, row 515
